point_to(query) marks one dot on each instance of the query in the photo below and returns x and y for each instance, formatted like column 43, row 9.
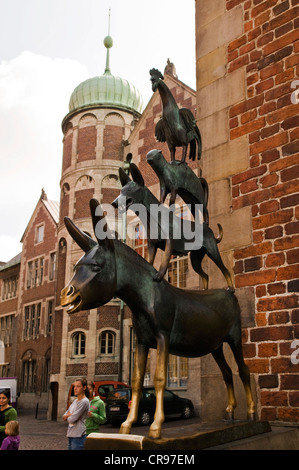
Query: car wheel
column 144, row 418
column 187, row 412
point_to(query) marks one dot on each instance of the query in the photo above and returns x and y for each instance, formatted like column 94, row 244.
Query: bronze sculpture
column 171, row 320
column 135, row 192
column 179, row 180
column 177, row 127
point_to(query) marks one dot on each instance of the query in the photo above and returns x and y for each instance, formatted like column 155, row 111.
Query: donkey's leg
column 214, row 255
column 228, row 379
column 165, row 260
column 160, row 383
column 196, row 258
column 137, row 382
column 245, row 377
column 152, row 250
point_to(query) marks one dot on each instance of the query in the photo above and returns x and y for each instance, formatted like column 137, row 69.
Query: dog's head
column 132, row 191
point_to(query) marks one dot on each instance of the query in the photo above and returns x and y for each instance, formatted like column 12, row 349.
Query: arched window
column 79, row 344
column 107, row 342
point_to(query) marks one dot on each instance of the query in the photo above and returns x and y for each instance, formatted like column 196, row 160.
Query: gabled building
column 36, row 303
column 9, row 295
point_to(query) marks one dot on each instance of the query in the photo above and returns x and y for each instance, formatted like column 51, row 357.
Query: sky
column 48, row 47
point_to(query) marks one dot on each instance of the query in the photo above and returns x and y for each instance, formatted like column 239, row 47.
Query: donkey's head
column 94, row 281
column 133, row 190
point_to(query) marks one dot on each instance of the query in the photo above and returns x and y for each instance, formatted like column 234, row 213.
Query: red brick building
column 246, row 106
column 247, row 66
column 9, row 279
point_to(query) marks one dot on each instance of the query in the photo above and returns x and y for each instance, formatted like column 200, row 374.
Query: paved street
column 41, row 434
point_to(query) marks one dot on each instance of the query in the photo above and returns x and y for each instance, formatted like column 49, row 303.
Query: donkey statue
column 171, row 320
column 134, row 192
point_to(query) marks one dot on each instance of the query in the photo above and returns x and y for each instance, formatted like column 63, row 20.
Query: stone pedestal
column 200, row 436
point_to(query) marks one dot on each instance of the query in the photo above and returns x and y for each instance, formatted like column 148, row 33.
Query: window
column 178, row 371
column 35, row 273
column 52, row 268
column 177, row 270
column 107, row 342
column 6, row 323
column 32, row 321
column 9, row 287
column 39, row 234
column 140, row 243
column 28, row 374
column 50, row 311
column 79, row 344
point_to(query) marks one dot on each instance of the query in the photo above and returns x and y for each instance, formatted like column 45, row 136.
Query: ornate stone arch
column 84, row 182
column 88, row 119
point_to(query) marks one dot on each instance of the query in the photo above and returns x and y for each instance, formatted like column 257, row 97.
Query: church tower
column 103, row 111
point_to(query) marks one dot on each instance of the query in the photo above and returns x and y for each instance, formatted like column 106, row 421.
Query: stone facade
column 247, row 60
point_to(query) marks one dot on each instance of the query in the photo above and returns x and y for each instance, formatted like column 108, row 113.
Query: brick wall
column 87, row 140
column 82, row 199
column 247, row 62
column 113, row 138
column 268, row 52
column 67, row 151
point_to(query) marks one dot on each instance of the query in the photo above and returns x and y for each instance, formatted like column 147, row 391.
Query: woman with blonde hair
column 12, row 441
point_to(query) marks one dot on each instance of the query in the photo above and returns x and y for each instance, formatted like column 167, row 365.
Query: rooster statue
column 177, row 127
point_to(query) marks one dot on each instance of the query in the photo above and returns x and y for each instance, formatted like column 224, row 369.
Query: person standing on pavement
column 7, row 412
column 97, row 411
column 76, row 415
column 12, row 441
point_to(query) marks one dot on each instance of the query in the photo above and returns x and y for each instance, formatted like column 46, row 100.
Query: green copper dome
column 106, row 90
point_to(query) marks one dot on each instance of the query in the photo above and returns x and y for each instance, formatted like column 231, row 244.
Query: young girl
column 97, row 411
column 12, row 441
column 76, row 416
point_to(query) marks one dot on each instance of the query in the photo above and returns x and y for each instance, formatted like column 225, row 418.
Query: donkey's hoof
column 229, row 416
column 154, row 433
column 125, row 429
column 251, row 416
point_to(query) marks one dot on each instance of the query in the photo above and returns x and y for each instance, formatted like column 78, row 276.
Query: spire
column 108, row 43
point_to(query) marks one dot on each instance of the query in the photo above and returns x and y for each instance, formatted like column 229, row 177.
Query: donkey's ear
column 124, row 178
column 82, row 239
column 100, row 226
column 136, row 175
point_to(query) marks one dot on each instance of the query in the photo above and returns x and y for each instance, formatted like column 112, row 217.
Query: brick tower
column 102, row 113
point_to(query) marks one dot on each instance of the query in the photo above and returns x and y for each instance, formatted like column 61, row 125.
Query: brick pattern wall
column 67, row 151
column 108, row 317
column 113, row 138
column 268, row 52
column 58, row 319
column 87, row 140
column 82, row 199
column 41, row 344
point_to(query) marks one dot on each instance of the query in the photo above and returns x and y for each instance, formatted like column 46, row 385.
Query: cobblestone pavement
column 42, row 434
column 39, row 433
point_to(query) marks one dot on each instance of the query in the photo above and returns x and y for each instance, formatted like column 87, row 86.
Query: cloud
column 34, row 95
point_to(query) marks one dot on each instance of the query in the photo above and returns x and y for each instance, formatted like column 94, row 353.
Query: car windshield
column 118, row 395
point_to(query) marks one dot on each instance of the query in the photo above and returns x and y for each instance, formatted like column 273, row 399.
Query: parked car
column 102, row 388
column 118, row 404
